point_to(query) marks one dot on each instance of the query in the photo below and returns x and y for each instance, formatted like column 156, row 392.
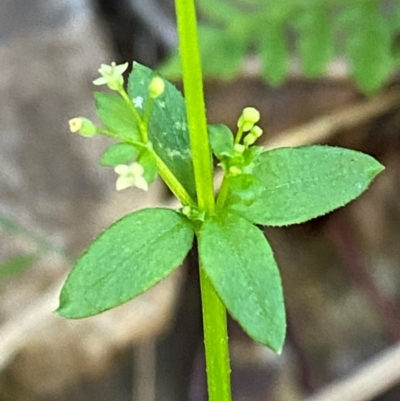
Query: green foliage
column 239, row 261
column 149, row 163
column 231, row 30
column 314, row 40
column 279, row 187
column 129, row 257
column 120, row 153
column 273, row 53
column 117, row 117
column 167, row 125
column 285, row 186
column 221, row 140
column 16, row 265
column 369, row 46
column 293, row 185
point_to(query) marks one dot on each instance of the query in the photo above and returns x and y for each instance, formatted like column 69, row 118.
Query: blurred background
column 319, row 72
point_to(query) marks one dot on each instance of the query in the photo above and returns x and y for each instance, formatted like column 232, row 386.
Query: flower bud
column 249, row 117
column 239, row 149
column 256, row 131
column 156, row 87
column 249, row 139
column 233, row 171
column 82, row 126
column 187, row 211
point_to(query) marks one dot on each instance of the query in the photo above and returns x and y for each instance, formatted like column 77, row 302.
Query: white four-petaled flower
column 111, row 75
column 130, row 176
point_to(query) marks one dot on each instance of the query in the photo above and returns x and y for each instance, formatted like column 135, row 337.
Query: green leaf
column 222, row 52
column 273, row 52
column 16, row 265
column 149, row 163
column 117, row 117
column 131, row 256
column 314, row 41
column 168, row 128
column 221, row 140
column 245, row 189
column 369, row 48
column 251, row 158
column 219, row 10
column 119, row 153
column 306, row 182
column 240, row 263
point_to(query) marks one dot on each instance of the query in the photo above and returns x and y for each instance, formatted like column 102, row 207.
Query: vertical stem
column 193, row 86
column 214, row 313
column 216, row 342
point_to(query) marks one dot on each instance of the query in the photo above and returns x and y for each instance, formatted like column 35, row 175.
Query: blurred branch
column 323, row 128
column 370, row 380
column 15, row 332
column 144, row 372
column 341, row 232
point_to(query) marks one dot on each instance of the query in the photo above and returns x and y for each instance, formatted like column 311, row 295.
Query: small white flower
column 130, row 176
column 111, row 75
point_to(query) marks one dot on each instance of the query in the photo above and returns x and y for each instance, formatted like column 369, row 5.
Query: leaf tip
column 376, row 169
column 60, row 311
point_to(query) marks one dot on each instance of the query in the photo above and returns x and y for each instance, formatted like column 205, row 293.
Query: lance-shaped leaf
column 117, row 116
column 131, row 256
column 306, row 182
column 168, row 128
column 240, row 263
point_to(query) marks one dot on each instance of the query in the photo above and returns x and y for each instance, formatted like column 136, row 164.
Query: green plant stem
column 142, row 127
column 215, row 340
column 239, row 135
column 214, row 313
column 223, row 193
column 193, row 87
column 169, row 178
column 173, row 183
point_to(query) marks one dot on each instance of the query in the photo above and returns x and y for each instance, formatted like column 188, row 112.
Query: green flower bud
column 256, row 131
column 187, row 211
column 193, row 213
column 239, row 149
column 82, row 126
column 252, row 136
column 249, row 139
column 249, row 117
column 156, row 87
column 233, row 170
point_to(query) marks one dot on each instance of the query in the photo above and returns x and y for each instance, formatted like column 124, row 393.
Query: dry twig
column 370, row 380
